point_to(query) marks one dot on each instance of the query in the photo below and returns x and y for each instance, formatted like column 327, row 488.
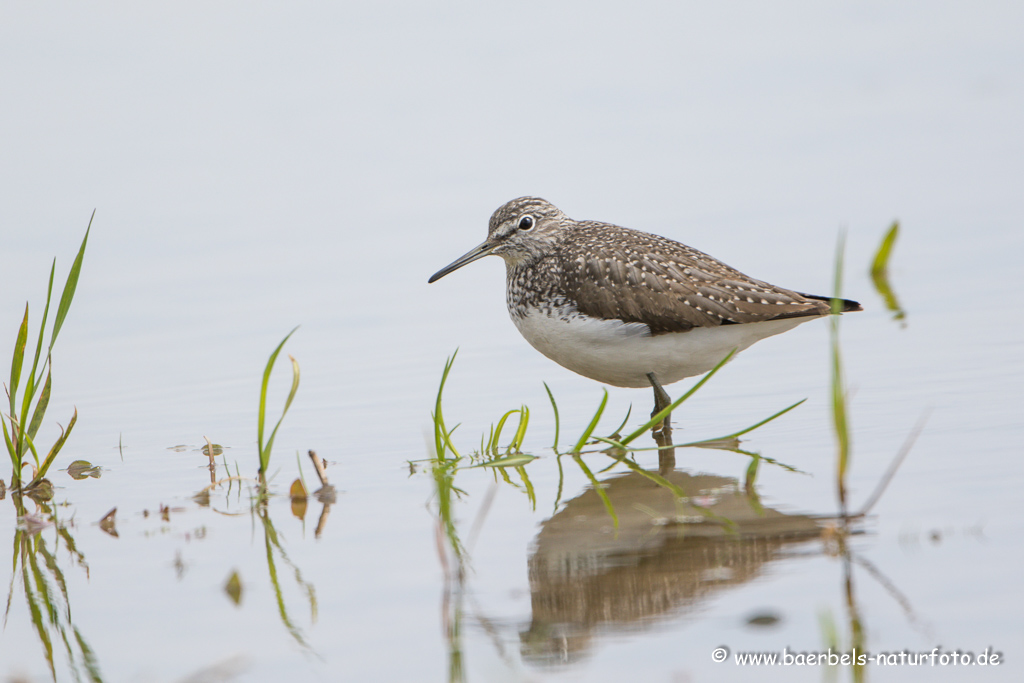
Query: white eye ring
column 526, row 223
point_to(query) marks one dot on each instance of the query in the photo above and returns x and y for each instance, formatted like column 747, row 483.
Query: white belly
column 621, row 354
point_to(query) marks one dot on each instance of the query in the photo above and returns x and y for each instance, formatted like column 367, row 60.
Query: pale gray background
column 255, row 166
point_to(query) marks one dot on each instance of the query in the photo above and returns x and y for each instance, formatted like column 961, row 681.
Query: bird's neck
column 534, row 284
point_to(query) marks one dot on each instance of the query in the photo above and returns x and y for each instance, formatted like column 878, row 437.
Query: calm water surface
column 257, row 169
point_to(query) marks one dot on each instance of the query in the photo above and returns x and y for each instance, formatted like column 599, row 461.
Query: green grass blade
column 42, row 330
column 270, row 541
column 617, row 450
column 838, row 389
column 749, row 429
column 629, row 411
column 262, row 416
column 37, row 414
column 89, row 660
column 16, row 363
column 837, row 284
column 530, row 493
column 15, row 460
column 446, row 440
column 69, row 287
column 15, row 555
column 593, row 424
column 893, row 466
column 295, row 383
column 37, row 615
column 517, row 460
column 18, row 456
column 265, row 456
column 503, row 473
column 727, row 523
column 880, row 273
column 50, row 561
column 32, row 449
column 442, row 471
column 27, row 392
column 33, row 382
column 598, row 488
column 496, row 435
column 661, row 415
column 839, row 418
column 656, row 478
column 52, row 455
column 881, row 262
column 524, row 421
column 751, row 475
column 561, row 482
column 608, row 468
column 441, row 434
column 554, row 406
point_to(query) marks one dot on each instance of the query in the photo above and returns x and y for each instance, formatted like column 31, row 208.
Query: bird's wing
column 637, row 277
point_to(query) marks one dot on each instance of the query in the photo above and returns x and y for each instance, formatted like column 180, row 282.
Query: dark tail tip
column 850, row 306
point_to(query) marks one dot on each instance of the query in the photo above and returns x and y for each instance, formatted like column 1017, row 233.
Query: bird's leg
column 661, row 401
column 666, row 452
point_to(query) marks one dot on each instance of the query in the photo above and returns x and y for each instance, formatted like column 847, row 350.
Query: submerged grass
column 19, row 439
column 502, row 460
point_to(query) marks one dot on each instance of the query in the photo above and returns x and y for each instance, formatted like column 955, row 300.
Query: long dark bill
column 474, row 254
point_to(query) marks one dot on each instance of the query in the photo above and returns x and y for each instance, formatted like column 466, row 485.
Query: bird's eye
column 526, row 223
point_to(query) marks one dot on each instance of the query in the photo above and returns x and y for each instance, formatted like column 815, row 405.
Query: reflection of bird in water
column 665, row 557
column 625, row 307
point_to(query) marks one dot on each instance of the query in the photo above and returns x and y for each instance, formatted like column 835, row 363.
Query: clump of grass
column 265, row 448
column 19, row 439
column 492, row 445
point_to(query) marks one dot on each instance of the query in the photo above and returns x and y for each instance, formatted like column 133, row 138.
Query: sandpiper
column 625, row 307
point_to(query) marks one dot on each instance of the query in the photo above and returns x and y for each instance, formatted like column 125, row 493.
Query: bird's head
column 519, row 231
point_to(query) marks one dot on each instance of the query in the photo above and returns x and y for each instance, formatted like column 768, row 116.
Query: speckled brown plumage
column 610, row 272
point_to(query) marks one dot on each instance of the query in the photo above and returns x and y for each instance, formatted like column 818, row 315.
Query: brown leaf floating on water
column 81, row 469
column 298, row 496
column 108, row 523
column 233, row 588
column 216, row 448
column 41, row 492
